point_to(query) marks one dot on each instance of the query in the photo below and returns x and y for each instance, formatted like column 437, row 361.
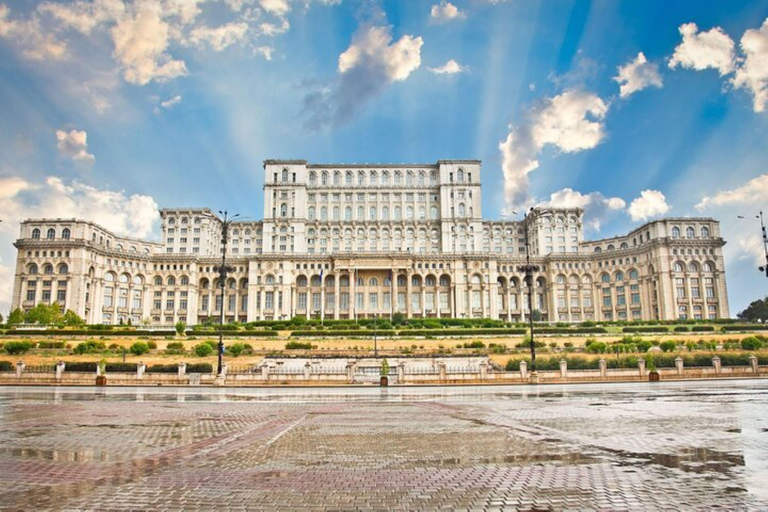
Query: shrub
column 668, row 346
column 80, row 366
column 152, row 345
column 647, row 328
column 751, row 343
column 139, row 348
column 236, row 349
column 163, row 368
column 89, row 347
column 682, row 328
column 6, row 366
column 50, row 344
column 200, row 368
column 643, row 345
column 121, row 367
column 597, row 347
column 750, row 327
column 703, row 328
column 175, row 347
column 298, row 345
column 474, row 344
column 180, row 327
column 17, row 347
column 203, row 350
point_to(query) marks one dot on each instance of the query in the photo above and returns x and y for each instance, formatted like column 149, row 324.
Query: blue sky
column 113, row 108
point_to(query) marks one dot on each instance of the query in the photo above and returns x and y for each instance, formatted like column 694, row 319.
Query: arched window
column 409, row 178
column 445, row 280
column 462, row 210
column 598, row 249
column 605, row 278
column 32, row 269
column 204, row 284
column 360, row 213
column 460, row 176
column 373, row 282
column 336, row 213
column 311, row 213
column 51, row 234
column 270, row 280
column 398, row 178
column 679, row 267
column 675, row 232
column 422, row 178
column 65, row 233
column 422, row 213
column 171, row 281
column 373, row 178
column 63, row 269
column 400, row 280
column 610, row 247
column 385, row 213
column 409, row 212
column 385, row 178
column 476, row 279
column 708, row 267
column 704, row 232
column 347, row 213
column 283, row 210
column 324, row 178
column 301, row 282
column 690, row 232
column 693, row 267
column 138, row 280
column 184, row 280
column 415, row 281
column 36, row 234
column 398, row 213
column 47, row 269
column 624, row 245
column 633, row 275
column 429, row 281
column 372, row 213
column 433, row 178
column 337, row 178
column 433, row 212
column 285, row 175
column 348, row 178
column 158, row 281
column 344, row 281
column 312, row 178
column 619, row 276
column 361, row 178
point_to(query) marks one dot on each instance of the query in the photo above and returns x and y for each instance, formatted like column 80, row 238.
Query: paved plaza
column 687, row 445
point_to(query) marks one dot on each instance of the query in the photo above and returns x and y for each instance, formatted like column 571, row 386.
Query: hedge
column 297, row 334
column 7, row 366
column 570, row 330
column 650, row 328
column 459, row 332
column 174, row 368
column 88, row 332
column 661, row 361
column 750, row 327
column 703, row 328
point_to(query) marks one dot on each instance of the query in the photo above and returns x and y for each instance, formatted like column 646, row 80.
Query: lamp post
column 529, row 269
column 223, row 270
column 763, row 268
column 375, row 336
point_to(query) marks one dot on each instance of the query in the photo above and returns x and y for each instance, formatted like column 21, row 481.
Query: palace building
column 359, row 240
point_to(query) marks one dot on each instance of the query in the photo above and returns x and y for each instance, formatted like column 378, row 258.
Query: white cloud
column 264, row 51
column 651, row 203
column 167, row 104
column 636, row 75
column 754, row 191
column 445, row 11
column 370, row 64
column 449, row 68
column 135, row 215
column 571, row 121
column 10, row 186
column 34, row 41
column 597, row 208
column 272, row 29
column 702, row 50
column 74, row 144
column 370, row 48
column 276, row 7
column 141, row 40
column 221, row 37
column 753, row 73
column 84, row 16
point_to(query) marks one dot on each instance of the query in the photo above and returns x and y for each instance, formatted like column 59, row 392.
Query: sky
column 111, row 109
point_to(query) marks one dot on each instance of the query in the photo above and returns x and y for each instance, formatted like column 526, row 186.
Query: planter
column 384, row 381
column 101, row 380
column 653, row 376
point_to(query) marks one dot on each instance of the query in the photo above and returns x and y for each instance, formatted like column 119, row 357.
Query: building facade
column 344, row 241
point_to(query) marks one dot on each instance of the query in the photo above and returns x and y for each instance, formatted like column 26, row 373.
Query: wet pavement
column 686, row 445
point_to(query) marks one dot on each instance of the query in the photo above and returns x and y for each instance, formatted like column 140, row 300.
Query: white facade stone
column 343, row 240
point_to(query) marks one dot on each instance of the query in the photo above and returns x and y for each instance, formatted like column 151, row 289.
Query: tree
column 44, row 314
column 16, row 317
column 72, row 318
column 757, row 311
column 180, row 327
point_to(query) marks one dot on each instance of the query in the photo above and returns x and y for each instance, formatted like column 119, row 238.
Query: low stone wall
column 309, row 375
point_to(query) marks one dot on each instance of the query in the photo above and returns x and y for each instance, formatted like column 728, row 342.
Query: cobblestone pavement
column 692, row 445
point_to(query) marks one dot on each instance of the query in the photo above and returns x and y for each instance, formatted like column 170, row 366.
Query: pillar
column 182, row 370
column 679, row 365
column 603, row 368
column 563, row 369
column 641, row 366
column 483, row 370
column 60, row 370
column 716, row 364
column 140, row 369
column 265, row 372
column 442, row 371
column 753, row 363
column 523, row 370
column 307, row 370
column 20, row 368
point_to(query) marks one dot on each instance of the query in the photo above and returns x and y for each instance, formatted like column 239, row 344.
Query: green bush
column 139, row 348
column 163, row 368
column 121, row 367
column 643, row 345
column 747, row 327
column 298, row 345
column 236, row 349
column 7, row 366
column 751, row 343
column 649, row 328
column 175, row 347
column 152, row 345
column 475, row 344
column 180, row 327
column 80, row 366
column 50, row 344
column 200, row 368
column 17, row 347
column 203, row 350
column 703, row 328
column 668, row 346
column 89, row 347
column 682, row 328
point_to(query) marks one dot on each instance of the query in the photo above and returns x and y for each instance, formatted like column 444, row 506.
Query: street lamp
column 529, row 269
column 223, row 270
column 763, row 268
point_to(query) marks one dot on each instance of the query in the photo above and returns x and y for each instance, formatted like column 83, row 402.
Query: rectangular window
column 429, row 301
column 244, row 303
column 330, row 301
column 316, row 301
column 444, row 301
column 401, row 301
column 512, row 300
column 231, row 302
column 635, row 298
column 170, row 304
column 122, row 299
column 302, row 305
column 258, row 300
column 415, row 301
column 269, row 300
column 561, row 301
column 344, row 301
column 574, row 301
column 387, row 299
column 205, row 303
column 61, row 296
column 183, row 304
column 373, row 301
column 158, row 304
column 360, row 300
column 108, row 298
column 475, row 300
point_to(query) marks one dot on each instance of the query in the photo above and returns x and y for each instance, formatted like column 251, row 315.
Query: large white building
column 344, row 240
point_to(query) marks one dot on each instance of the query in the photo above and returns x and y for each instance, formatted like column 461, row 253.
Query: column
column 408, row 294
column 336, row 293
column 353, row 295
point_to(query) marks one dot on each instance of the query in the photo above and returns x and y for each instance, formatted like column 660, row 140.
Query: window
column 51, row 234
column 65, row 234
column 35, row 234
column 704, row 232
column 675, row 232
column 690, row 232
column 679, row 267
